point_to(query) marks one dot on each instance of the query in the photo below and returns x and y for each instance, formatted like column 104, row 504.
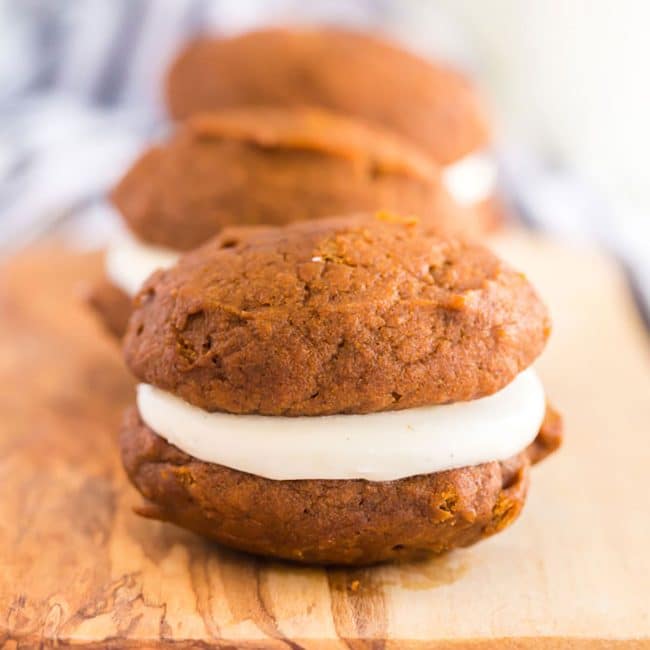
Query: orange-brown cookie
column 344, row 71
column 347, row 315
column 112, row 305
column 272, row 166
column 351, row 522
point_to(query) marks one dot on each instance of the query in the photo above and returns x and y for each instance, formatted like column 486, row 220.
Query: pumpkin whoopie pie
column 354, row 73
column 257, row 166
column 342, row 391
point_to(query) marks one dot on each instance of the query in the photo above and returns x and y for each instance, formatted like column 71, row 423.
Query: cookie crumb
column 393, row 217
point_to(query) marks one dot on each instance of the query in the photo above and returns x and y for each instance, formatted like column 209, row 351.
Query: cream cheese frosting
column 377, row 447
column 130, row 262
column 471, row 179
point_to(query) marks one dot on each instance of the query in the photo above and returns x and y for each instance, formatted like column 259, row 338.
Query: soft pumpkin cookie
column 343, row 391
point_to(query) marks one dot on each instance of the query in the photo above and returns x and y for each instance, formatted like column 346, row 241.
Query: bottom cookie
column 112, row 306
column 340, row 522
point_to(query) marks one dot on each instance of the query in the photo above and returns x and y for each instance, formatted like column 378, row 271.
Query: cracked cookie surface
column 344, row 315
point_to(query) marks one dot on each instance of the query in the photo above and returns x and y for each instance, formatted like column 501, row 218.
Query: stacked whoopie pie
column 255, row 166
column 341, row 391
column 353, row 73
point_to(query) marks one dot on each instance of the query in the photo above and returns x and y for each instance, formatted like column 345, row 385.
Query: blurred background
column 80, row 92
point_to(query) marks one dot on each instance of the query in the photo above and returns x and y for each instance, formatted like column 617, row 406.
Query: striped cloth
column 80, row 87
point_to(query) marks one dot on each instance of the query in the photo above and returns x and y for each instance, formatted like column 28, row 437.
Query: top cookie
column 341, row 70
column 272, row 166
column 343, row 315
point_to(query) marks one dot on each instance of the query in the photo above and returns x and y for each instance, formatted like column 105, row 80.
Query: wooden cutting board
column 76, row 565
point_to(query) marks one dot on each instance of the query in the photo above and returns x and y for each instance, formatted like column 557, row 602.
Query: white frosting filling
column 377, row 446
column 471, row 179
column 129, row 262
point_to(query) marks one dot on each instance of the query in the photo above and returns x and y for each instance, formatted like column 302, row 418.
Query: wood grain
column 77, row 566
